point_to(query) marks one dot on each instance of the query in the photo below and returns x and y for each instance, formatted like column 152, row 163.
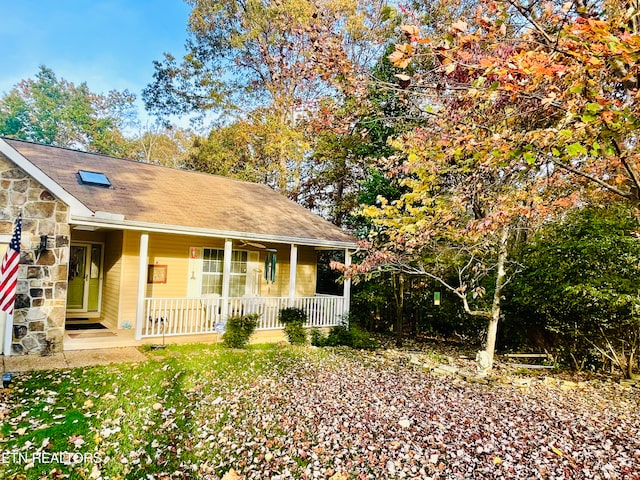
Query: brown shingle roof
column 149, row 193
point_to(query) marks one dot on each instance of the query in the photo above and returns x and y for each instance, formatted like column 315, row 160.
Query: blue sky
column 109, row 44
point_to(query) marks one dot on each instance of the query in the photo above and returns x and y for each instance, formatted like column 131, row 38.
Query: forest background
column 484, row 152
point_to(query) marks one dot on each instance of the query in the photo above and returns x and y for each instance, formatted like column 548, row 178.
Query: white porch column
column 226, row 277
column 293, row 270
column 346, row 292
column 142, row 283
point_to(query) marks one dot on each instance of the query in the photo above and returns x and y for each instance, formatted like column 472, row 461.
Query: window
column 212, row 266
column 93, row 178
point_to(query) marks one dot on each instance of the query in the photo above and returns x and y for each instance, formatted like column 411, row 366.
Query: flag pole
column 8, row 334
column 9, row 283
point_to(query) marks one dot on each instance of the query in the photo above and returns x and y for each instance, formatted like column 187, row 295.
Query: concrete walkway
column 71, row 359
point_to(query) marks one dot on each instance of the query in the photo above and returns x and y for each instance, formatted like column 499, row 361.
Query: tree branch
column 628, row 167
column 451, row 288
column 527, row 16
column 593, row 178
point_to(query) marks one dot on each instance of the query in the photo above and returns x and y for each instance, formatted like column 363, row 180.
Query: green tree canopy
column 54, row 111
column 579, row 286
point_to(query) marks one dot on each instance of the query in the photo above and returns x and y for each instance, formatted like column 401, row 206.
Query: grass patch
column 131, row 420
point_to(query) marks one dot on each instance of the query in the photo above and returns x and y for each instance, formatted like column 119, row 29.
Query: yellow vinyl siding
column 306, row 273
column 112, row 280
column 129, row 285
column 172, row 251
column 164, row 249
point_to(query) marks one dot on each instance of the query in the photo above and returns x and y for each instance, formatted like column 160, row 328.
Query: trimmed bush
column 239, row 330
column 317, row 338
column 292, row 314
column 294, row 320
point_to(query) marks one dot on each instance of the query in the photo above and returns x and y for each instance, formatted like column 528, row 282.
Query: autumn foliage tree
column 260, row 68
column 524, row 108
column 555, row 85
column 163, row 145
column 455, row 223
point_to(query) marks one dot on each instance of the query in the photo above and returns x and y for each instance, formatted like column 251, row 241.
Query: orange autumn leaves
column 560, row 86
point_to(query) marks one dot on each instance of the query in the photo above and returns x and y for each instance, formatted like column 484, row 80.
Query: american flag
column 9, row 270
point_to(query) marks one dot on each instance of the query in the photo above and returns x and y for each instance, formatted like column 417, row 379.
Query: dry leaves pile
column 336, row 414
column 367, row 416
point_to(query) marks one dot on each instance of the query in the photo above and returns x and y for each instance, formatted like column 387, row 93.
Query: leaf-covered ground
column 278, row 412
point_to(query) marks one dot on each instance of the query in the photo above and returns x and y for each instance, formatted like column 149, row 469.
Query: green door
column 85, row 275
column 77, row 280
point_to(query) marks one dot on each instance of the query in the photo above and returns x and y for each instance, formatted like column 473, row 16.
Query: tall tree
column 263, row 64
column 521, row 105
column 457, row 217
column 161, row 144
column 56, row 112
column 351, row 141
column 258, row 149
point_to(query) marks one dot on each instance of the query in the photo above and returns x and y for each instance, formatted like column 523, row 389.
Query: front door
column 85, row 278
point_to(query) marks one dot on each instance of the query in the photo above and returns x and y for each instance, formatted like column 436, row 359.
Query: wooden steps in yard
column 545, row 356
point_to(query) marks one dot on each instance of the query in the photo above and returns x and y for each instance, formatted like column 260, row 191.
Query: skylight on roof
column 93, row 178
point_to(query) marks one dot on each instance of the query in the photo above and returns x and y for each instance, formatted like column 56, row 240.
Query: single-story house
column 116, row 252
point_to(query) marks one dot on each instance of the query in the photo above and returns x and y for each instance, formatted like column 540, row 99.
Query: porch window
column 212, row 266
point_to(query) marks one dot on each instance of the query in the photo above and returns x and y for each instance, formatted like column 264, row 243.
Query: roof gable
column 142, row 193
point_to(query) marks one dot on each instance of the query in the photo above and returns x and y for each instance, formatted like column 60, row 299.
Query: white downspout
column 8, row 334
column 142, row 283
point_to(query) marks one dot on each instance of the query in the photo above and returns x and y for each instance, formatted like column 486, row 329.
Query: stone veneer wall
column 39, row 313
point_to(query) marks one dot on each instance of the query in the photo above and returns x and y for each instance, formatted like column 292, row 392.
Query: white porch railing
column 185, row 316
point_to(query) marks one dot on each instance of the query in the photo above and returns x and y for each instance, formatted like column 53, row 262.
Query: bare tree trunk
column 492, row 330
column 398, row 290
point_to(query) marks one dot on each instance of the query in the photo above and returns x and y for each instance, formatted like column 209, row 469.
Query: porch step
column 95, row 339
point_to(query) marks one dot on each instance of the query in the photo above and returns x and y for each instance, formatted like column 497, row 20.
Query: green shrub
column 296, row 333
column 360, row 338
column 577, row 294
column 294, row 320
column 316, row 337
column 292, row 314
column 239, row 329
column 338, row 335
column 345, row 335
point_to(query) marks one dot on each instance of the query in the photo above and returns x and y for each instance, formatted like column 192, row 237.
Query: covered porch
column 158, row 285
column 186, row 320
column 207, row 313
